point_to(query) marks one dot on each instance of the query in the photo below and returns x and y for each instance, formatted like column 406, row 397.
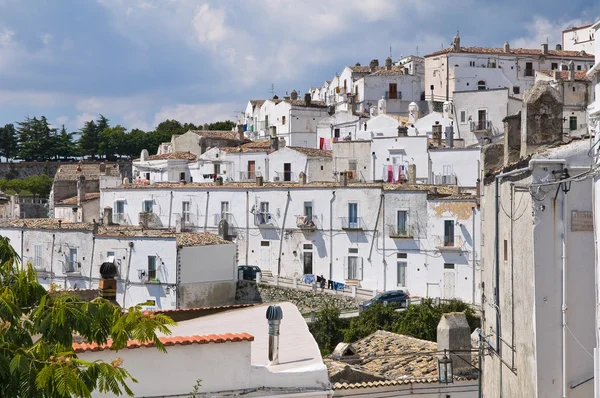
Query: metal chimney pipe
column 274, row 316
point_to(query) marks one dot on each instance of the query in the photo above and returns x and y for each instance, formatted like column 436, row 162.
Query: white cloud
column 210, row 25
column 46, row 38
column 197, row 113
column 543, row 30
column 61, row 120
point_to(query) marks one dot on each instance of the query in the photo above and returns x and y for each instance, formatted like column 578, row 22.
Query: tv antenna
column 272, row 90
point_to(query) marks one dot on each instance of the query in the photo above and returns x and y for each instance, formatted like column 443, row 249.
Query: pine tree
column 36, row 337
column 65, row 147
column 89, row 139
column 30, row 139
column 9, row 145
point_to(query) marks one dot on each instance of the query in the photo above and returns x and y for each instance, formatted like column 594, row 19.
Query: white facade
column 336, row 127
column 397, row 88
column 580, row 38
column 287, row 163
column 455, row 166
column 149, row 266
column 321, row 229
column 397, row 151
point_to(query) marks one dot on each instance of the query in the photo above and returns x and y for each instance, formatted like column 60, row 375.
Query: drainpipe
column 373, row 155
column 376, row 224
column 287, row 205
column 52, row 259
column 127, row 275
column 331, row 235
column 247, row 224
column 474, row 255
column 564, row 294
column 383, row 238
column 92, row 259
column 22, row 240
column 206, row 210
column 170, row 208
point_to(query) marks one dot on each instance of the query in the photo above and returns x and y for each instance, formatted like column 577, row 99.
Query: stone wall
column 250, row 293
column 27, row 169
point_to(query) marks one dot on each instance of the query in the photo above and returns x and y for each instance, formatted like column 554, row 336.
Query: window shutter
column 345, row 268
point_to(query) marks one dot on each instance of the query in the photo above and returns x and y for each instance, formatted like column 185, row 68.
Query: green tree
column 374, row 318
column 224, row 126
column 9, row 144
column 65, row 147
column 36, row 337
column 170, row 127
column 48, row 139
column 328, row 328
column 89, row 139
column 102, row 123
column 112, row 141
column 39, row 185
column 31, row 139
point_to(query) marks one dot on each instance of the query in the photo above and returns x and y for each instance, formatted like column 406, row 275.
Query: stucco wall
column 463, row 162
column 197, row 263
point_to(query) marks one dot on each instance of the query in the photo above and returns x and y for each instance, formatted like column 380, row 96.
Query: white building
column 286, row 164
column 234, row 347
column 579, row 38
column 163, row 269
column 347, row 233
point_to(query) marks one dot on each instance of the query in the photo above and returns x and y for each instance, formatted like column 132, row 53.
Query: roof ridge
column 169, row 341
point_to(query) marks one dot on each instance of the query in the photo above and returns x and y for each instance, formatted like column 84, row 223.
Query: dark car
column 398, row 298
column 248, row 272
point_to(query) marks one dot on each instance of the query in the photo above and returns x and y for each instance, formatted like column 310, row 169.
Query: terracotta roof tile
column 73, row 200
column 564, row 75
column 302, row 103
column 220, row 135
column 169, row 341
column 175, row 155
column 257, row 102
column 252, row 146
column 91, row 171
column 312, row 152
column 219, row 307
column 513, row 51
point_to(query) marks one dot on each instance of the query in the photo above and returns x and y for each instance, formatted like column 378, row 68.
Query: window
column 401, row 266
column 554, row 66
column 471, row 63
column 352, row 165
column 574, row 89
column 353, row 268
column 516, row 90
column 225, row 215
column 37, row 259
column 151, row 267
column 353, row 250
column 463, row 116
column 251, row 169
column 393, row 91
column 448, row 266
column 578, row 67
column 481, row 85
column 148, row 176
column 353, row 215
column 572, row 123
column 308, row 211
column 185, row 211
column 147, row 206
column 449, row 233
column 182, row 176
column 72, row 261
column 564, row 67
column 264, row 243
column 528, row 68
column 336, row 133
column 119, row 212
column 307, row 257
column 307, row 246
column 345, row 87
column 263, row 214
column 216, row 168
column 283, row 120
column 401, row 220
column 287, row 172
column 505, row 250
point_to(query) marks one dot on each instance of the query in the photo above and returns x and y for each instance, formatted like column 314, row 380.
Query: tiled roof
column 312, row 152
column 302, row 103
column 513, row 51
column 252, row 146
column 401, row 119
column 221, row 135
column 366, row 69
column 169, row 341
column 45, row 223
column 564, row 75
column 395, row 71
column 218, row 307
column 91, row 171
column 73, row 200
column 577, row 28
column 390, row 383
column 264, row 143
column 175, row 155
column 257, row 102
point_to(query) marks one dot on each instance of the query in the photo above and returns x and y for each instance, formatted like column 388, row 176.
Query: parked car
column 398, row 298
column 248, row 272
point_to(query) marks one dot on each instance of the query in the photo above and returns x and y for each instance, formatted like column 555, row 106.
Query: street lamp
column 445, row 372
column 565, row 185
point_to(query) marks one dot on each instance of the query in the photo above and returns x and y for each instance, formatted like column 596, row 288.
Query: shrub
column 328, row 328
column 374, row 318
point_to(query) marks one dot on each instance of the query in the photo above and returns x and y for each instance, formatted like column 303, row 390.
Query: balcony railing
column 306, row 222
column 445, row 179
column 248, row 176
column 352, row 224
column 450, row 243
column 120, row 218
column 149, row 219
column 481, row 125
column 396, row 232
column 393, row 95
column 265, row 220
column 285, row 176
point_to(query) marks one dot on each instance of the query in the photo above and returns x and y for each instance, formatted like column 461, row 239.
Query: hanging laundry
column 338, row 286
column 396, row 174
column 330, row 284
column 390, row 177
column 308, row 279
column 322, row 143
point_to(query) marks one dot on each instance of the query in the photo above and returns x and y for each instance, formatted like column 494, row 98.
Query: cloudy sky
column 139, row 62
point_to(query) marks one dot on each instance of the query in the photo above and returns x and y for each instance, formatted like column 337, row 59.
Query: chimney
column 80, row 189
column 240, row 132
column 108, row 283
column 108, row 216
column 344, row 178
column 59, row 223
column 454, row 335
column 436, row 132
column 373, row 65
column 556, row 74
column 94, row 226
column 274, row 317
column 259, row 181
column 449, row 137
column 388, row 63
column 273, row 138
column 219, row 181
column 102, row 168
column 412, row 174
column 178, row 225
column 302, row 178
column 506, row 47
column 571, row 71
column 294, row 95
column 307, row 99
column 545, row 48
column 559, row 47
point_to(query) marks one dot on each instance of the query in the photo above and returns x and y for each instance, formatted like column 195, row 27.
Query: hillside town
column 419, row 226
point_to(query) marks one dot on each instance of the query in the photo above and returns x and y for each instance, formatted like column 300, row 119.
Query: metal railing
column 120, row 218
column 305, row 222
column 249, row 175
column 264, row 220
column 394, row 231
column 452, row 242
column 445, row 179
column 355, row 223
column 393, row 95
column 232, row 224
column 481, row 125
column 286, row 176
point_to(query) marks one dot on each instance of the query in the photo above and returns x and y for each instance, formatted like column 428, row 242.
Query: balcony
column 120, row 218
column 149, row 220
column 249, row 176
column 352, row 224
column 285, row 176
column 481, row 126
column 232, row 226
column 445, row 179
column 448, row 243
column 265, row 220
column 393, row 95
column 307, row 223
column 396, row 232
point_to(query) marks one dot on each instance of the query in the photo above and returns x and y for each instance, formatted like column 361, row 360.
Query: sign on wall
column 582, row 221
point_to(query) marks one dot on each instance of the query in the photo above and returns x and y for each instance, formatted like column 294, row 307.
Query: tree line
column 38, row 186
column 35, row 139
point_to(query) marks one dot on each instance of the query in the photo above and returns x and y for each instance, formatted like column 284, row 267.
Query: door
column 251, row 168
column 393, row 93
column 287, row 172
column 572, row 123
column 449, row 284
column 265, row 255
column 353, row 215
column 481, row 120
column 308, row 263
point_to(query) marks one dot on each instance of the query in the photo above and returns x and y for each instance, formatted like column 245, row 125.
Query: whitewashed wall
column 463, row 162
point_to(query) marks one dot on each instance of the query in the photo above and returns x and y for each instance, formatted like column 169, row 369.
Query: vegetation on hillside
column 39, row 186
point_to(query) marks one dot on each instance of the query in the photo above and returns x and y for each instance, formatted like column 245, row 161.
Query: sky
column 139, row 62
